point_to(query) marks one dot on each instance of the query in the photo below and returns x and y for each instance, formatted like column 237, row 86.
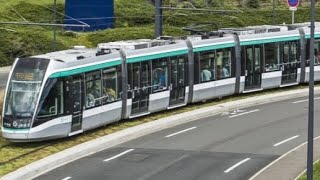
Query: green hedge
column 134, row 20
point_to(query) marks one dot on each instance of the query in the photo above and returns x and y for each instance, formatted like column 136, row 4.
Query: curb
column 64, row 157
column 288, row 161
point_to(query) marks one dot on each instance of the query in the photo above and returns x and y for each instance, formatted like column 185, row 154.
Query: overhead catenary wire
column 81, row 22
column 16, row 11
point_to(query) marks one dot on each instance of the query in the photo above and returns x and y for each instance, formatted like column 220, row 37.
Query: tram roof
column 70, row 54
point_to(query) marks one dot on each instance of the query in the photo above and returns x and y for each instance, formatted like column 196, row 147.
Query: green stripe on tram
column 213, row 47
column 85, row 69
column 270, row 40
column 316, row 35
column 156, row 56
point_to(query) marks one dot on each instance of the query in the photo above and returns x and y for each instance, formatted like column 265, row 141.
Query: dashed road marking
column 116, row 156
column 286, row 140
column 170, row 135
column 248, row 112
column 236, row 165
column 66, row 178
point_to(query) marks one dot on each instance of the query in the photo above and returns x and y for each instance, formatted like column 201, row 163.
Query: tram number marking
column 64, row 119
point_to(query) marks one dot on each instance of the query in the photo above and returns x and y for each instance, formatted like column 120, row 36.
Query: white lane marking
column 236, row 165
column 116, row 156
column 286, row 140
column 244, row 113
column 281, row 157
column 66, row 178
column 170, row 135
column 306, row 100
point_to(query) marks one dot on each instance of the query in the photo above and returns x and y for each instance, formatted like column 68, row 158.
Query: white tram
column 64, row 93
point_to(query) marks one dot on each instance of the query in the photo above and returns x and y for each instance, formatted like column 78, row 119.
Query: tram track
column 22, row 155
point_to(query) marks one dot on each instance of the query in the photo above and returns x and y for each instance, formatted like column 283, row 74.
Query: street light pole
column 54, row 27
column 158, row 18
column 311, row 97
column 273, row 11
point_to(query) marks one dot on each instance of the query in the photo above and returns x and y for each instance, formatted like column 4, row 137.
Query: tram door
column 178, row 80
column 140, row 86
column 77, row 91
column 289, row 63
column 253, row 67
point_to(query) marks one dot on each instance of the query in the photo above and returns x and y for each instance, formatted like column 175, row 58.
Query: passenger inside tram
column 92, row 94
column 316, row 56
column 205, row 74
column 109, row 93
column 159, row 79
column 222, row 72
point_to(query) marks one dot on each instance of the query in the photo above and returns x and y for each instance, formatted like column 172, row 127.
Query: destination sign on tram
column 22, row 76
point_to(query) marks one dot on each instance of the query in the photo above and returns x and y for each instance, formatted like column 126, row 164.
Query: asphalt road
column 232, row 145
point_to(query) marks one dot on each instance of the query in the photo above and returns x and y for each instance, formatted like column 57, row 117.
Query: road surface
column 232, row 145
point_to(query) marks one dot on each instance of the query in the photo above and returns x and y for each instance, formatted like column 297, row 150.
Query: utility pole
column 311, row 97
column 273, row 12
column 54, row 27
column 158, row 18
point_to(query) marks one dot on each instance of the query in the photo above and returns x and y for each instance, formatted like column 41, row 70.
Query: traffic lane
column 161, row 164
column 275, row 121
column 247, row 171
column 291, row 123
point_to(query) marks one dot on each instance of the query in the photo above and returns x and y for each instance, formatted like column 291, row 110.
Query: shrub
column 253, row 3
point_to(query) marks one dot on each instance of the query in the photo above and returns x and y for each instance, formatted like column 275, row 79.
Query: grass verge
column 16, row 155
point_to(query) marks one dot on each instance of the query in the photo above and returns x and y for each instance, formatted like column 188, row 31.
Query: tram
column 65, row 93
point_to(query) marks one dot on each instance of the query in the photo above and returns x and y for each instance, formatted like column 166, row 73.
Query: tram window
column 293, row 56
column 51, row 102
column 290, row 53
column 139, row 77
column 110, row 84
column 207, row 68
column 316, row 52
column 93, row 89
column 159, row 75
column 285, row 53
column 223, row 63
column 272, row 57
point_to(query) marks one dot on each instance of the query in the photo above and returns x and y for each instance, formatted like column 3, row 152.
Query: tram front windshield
column 23, row 91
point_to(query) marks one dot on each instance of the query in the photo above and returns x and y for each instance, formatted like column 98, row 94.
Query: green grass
column 16, row 155
column 316, row 172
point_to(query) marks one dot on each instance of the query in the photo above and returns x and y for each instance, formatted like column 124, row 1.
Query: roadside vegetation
column 134, row 20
